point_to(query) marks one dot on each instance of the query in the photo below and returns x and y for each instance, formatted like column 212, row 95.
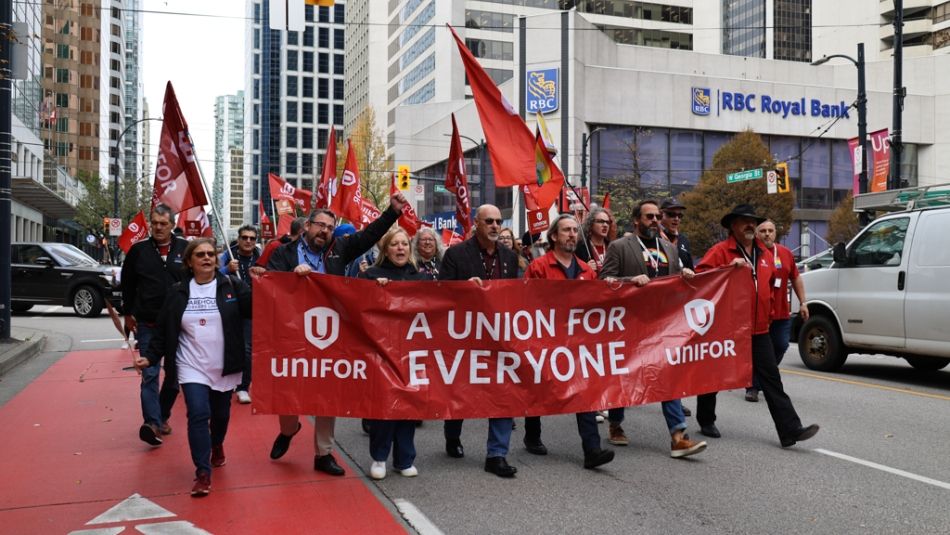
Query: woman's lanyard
column 653, row 261
column 751, row 260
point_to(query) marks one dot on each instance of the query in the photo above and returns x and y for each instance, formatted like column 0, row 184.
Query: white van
column 888, row 290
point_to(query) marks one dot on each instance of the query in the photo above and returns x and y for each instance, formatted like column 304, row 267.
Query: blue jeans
column 156, row 405
column 209, row 412
column 397, row 435
column 499, row 434
column 672, row 412
column 779, row 331
column 246, row 374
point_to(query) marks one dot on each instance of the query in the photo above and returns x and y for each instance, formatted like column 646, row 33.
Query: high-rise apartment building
column 293, row 97
column 228, row 137
column 134, row 94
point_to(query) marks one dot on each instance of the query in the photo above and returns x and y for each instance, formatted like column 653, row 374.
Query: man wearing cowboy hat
column 741, row 249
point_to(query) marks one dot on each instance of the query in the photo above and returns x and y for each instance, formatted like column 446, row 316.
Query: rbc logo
column 700, row 314
column 702, row 100
column 541, row 92
column 321, row 326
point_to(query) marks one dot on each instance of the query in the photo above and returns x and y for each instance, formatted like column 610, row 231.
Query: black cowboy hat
column 741, row 210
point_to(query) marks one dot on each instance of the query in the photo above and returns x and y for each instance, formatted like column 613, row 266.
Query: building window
column 308, row 112
column 308, row 62
column 292, row 112
column 291, row 163
column 486, row 20
column 308, row 37
column 323, row 63
column 338, row 114
column 339, row 15
column 324, row 15
column 291, row 86
column 338, row 90
column 307, row 87
column 323, row 114
column 323, row 90
column 488, row 49
column 323, row 39
column 338, row 39
column 306, row 165
column 338, row 64
column 62, row 76
column 62, row 52
column 292, row 38
column 62, row 100
column 307, row 133
column 292, row 136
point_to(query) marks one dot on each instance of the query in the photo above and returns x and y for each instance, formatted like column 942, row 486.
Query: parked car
column 61, row 274
column 886, row 292
column 818, row 261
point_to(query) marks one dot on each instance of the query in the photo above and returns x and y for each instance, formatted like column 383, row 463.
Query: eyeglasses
column 674, row 215
column 322, row 226
column 248, row 238
column 652, row 217
column 426, row 240
column 506, row 238
column 602, row 221
column 491, row 221
column 203, row 254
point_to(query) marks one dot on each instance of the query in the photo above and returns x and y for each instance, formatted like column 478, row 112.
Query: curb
column 21, row 353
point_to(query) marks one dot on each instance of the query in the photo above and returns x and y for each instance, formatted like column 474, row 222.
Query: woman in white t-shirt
column 200, row 327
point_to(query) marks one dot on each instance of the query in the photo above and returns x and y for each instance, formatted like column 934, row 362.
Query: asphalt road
column 881, row 463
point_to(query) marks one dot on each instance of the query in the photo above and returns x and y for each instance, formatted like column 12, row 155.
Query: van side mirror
column 840, row 254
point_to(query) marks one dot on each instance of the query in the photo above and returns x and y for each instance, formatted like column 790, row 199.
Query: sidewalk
column 73, row 463
column 21, row 346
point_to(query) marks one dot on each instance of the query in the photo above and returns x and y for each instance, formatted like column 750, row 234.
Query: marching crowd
column 190, row 304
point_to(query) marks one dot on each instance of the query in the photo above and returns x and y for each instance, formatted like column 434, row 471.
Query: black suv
column 61, row 274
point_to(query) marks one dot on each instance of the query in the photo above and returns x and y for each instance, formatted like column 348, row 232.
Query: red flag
column 267, row 228
column 607, row 201
column 135, row 232
column 456, row 182
column 177, row 181
column 450, row 237
column 408, row 220
column 368, row 212
column 550, row 179
column 281, row 189
column 327, row 186
column 510, row 143
column 283, row 224
column 348, row 204
column 194, row 223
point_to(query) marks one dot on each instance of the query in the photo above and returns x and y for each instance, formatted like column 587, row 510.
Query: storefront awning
column 32, row 193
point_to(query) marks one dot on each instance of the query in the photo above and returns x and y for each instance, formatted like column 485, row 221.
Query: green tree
column 135, row 193
column 375, row 166
column 713, row 197
column 844, row 223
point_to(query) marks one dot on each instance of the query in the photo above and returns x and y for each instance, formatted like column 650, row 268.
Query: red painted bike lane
column 71, row 462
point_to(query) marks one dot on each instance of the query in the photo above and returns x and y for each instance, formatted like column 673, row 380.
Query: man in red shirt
column 742, row 250
column 561, row 263
column 785, row 271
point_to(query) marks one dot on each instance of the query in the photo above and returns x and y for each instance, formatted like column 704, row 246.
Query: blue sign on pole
column 541, row 94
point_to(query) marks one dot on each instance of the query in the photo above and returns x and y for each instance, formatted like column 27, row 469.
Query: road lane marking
column 102, row 340
column 883, row 468
column 419, row 521
column 869, row 385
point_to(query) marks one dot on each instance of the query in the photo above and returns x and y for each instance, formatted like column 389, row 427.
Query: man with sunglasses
column 637, row 259
column 477, row 259
column 317, row 251
column 673, row 212
column 241, row 262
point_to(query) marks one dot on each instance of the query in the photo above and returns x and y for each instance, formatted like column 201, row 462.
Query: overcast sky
column 202, row 56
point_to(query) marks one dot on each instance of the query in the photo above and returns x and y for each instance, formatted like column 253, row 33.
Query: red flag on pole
column 368, row 212
column 267, row 228
column 408, row 219
column 450, row 237
column 607, row 201
column 135, row 232
column 456, row 182
column 194, row 223
column 283, row 224
column 177, row 181
column 281, row 189
column 348, row 204
column 327, row 187
column 510, row 143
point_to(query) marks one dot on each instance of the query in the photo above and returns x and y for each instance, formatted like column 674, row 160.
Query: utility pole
column 900, row 91
column 6, row 179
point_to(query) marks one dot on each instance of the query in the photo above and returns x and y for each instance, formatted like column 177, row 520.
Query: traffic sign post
column 741, row 176
column 115, row 227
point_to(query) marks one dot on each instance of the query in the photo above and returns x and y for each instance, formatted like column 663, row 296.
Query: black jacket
column 234, row 303
column 464, row 261
column 388, row 270
column 340, row 251
column 146, row 279
column 682, row 248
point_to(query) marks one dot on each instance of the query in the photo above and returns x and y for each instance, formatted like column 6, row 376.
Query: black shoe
column 535, row 446
column 710, row 431
column 149, row 434
column 364, row 423
column 453, row 447
column 802, row 434
column 751, row 395
column 593, row 459
column 687, row 412
column 282, row 444
column 327, row 464
column 500, row 467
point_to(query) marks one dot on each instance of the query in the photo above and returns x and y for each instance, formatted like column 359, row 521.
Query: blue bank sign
column 541, row 93
column 701, row 102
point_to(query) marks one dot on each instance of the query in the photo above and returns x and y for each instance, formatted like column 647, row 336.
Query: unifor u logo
column 287, row 189
column 349, row 178
column 700, row 314
column 322, row 326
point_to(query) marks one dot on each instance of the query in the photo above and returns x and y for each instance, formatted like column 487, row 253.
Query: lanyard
column 653, row 261
column 315, row 265
column 489, row 268
column 751, row 260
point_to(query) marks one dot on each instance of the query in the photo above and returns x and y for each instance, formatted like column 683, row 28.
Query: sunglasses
column 203, row 254
column 652, row 217
column 674, row 215
column 490, row 221
column 602, row 221
column 248, row 238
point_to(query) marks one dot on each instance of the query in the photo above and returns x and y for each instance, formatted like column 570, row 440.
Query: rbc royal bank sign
column 703, row 103
column 542, row 90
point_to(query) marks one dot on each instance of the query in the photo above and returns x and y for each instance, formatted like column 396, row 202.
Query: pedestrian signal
column 402, row 181
column 782, row 180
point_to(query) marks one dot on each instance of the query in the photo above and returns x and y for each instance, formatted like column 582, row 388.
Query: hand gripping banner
column 332, row 346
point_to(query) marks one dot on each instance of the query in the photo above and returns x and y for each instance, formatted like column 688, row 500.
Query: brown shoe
column 617, row 436
column 202, row 485
column 217, row 456
column 684, row 447
column 166, row 429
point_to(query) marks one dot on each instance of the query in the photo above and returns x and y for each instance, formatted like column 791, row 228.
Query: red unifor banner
column 334, row 346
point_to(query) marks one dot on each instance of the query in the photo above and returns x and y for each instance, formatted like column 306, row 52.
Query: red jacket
column 547, row 267
column 723, row 253
column 785, row 270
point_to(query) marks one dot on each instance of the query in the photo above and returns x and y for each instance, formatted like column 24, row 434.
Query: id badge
column 778, row 283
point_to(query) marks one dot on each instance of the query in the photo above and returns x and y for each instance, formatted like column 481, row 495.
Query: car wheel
column 20, row 307
column 820, row 345
column 926, row 364
column 87, row 302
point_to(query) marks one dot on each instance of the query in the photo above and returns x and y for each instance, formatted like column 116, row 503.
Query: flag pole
column 201, row 175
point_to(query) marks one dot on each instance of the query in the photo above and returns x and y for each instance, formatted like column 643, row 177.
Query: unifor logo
column 702, row 100
column 133, row 227
column 322, row 326
column 287, row 189
column 349, row 178
column 700, row 314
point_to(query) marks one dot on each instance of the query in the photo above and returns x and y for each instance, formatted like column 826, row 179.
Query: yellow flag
column 545, row 135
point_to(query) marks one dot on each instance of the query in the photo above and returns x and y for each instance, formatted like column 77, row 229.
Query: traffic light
column 782, row 181
column 402, row 182
column 105, row 223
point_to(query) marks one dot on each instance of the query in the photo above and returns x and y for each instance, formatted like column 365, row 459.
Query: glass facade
column 743, row 28
column 793, row 30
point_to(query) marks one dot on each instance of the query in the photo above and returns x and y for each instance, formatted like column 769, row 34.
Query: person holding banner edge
column 477, row 259
column 561, row 263
column 317, row 251
column 637, row 259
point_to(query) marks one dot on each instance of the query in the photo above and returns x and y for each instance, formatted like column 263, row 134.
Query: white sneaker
column 243, row 397
column 599, row 418
column 412, row 471
column 378, row 470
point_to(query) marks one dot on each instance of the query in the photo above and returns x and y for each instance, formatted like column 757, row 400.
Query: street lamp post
column 118, row 173
column 585, row 139
column 482, row 184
